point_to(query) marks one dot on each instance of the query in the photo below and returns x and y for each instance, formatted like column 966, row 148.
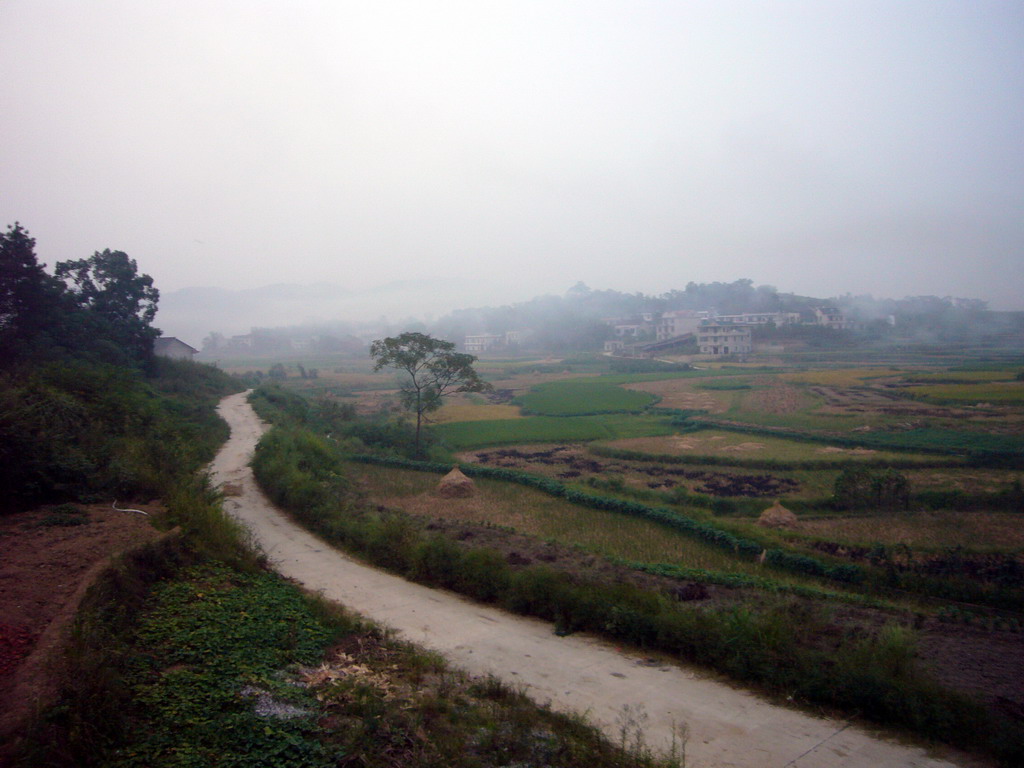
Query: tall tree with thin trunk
column 434, row 370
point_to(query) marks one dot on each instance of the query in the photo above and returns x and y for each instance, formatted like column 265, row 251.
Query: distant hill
column 192, row 313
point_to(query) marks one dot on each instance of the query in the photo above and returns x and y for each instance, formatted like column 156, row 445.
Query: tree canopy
column 100, row 308
column 433, row 368
column 120, row 302
column 29, row 297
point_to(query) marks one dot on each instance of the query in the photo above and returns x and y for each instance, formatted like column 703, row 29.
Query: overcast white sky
column 821, row 147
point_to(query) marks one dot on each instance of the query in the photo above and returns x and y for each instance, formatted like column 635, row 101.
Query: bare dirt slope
column 46, row 565
column 727, row 727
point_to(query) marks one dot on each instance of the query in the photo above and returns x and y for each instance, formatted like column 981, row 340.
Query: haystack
column 777, row 516
column 455, row 485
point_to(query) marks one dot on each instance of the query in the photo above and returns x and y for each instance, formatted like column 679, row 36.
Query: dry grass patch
column 465, row 408
column 682, row 394
column 928, row 530
column 523, row 382
column 776, row 397
column 968, row 480
column 720, row 443
column 842, row 377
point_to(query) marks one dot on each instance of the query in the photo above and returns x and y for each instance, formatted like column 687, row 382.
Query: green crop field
column 954, row 375
column 576, row 397
column 546, row 429
column 1003, row 392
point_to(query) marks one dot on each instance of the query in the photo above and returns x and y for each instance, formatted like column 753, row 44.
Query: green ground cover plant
column 212, row 646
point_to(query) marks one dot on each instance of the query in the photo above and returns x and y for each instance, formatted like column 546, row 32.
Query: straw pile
column 455, row 485
column 777, row 516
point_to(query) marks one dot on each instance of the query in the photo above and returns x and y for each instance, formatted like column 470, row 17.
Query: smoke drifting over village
column 422, row 157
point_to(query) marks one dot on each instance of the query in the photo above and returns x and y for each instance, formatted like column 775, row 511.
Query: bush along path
column 725, row 727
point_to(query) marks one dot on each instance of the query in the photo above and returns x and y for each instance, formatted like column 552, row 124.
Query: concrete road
column 727, row 726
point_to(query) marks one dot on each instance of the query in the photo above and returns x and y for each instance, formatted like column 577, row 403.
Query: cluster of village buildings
column 651, row 332
column 644, row 335
column 716, row 334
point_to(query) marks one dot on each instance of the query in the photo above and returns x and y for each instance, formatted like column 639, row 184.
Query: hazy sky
column 821, row 147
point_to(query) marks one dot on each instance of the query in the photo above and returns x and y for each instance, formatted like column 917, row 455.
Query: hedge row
column 740, row 581
column 779, row 558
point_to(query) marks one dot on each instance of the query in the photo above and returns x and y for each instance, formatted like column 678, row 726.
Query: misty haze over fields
column 421, row 157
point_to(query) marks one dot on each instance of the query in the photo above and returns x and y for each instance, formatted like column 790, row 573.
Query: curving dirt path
column 727, row 726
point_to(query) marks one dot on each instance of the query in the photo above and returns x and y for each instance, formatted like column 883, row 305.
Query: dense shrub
column 860, row 487
column 78, row 430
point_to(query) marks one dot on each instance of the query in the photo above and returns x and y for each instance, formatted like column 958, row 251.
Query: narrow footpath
column 727, row 726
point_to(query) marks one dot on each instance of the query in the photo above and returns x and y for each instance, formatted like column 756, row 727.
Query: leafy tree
column 891, row 490
column 29, row 298
column 434, row 370
column 852, row 489
column 118, row 302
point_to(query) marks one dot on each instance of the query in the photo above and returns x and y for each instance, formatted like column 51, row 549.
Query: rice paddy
column 577, row 397
column 463, row 435
column 475, row 412
column 536, row 514
column 992, row 392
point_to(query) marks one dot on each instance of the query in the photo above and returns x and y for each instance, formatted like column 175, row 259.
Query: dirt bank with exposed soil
column 47, row 562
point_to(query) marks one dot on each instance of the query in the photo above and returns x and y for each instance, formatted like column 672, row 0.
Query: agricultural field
column 923, row 530
column 464, row 435
column 660, row 480
column 583, row 397
column 574, row 463
column 474, row 411
column 546, row 518
column 980, row 393
column 717, row 443
column 684, row 395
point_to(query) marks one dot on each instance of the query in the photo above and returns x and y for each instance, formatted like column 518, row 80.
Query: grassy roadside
column 188, row 652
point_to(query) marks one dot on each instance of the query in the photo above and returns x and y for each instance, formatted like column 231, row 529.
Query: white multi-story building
column 482, row 342
column 485, row 342
column 724, row 339
column 761, row 318
column 831, row 317
column 679, row 322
